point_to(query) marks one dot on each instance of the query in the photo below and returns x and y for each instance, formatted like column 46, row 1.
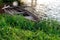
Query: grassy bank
column 18, row 28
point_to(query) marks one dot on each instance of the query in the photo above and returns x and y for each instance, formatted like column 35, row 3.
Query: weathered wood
column 14, row 10
column 30, row 13
column 26, row 12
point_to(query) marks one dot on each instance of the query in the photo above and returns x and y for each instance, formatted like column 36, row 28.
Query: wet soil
column 1, row 10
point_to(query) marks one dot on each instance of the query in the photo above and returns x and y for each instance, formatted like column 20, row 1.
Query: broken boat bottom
column 21, row 11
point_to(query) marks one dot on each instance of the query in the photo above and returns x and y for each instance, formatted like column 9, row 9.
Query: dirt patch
column 1, row 10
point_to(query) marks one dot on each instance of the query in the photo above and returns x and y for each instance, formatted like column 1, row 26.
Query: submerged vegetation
column 18, row 28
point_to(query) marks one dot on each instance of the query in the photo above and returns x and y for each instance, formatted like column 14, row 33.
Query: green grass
column 18, row 28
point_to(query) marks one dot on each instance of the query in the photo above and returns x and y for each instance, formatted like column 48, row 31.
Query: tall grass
column 49, row 26
column 18, row 28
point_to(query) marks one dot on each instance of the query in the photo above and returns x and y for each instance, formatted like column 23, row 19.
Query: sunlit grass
column 18, row 28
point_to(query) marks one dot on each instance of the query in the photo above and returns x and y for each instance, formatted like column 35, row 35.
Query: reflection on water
column 49, row 7
column 52, row 8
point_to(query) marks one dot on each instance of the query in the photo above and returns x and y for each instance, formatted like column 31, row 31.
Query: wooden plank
column 12, row 10
column 29, row 13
